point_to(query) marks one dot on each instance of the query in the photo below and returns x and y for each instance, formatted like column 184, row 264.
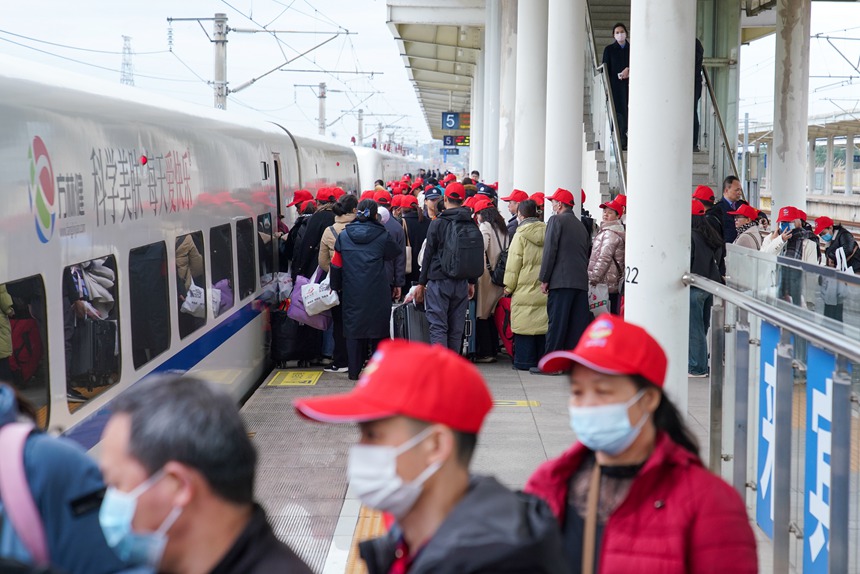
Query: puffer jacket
column 677, row 518
column 491, row 530
column 489, row 293
column 606, row 264
column 528, row 304
column 5, row 325
column 328, row 239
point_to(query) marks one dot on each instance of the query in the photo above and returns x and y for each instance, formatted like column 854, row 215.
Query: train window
column 245, row 257
column 149, row 299
column 91, row 329
column 190, row 271
column 24, row 362
column 221, row 255
column 265, row 243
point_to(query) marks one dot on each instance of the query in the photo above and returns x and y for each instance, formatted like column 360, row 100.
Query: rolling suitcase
column 469, row 332
column 285, row 338
column 94, row 351
column 410, row 323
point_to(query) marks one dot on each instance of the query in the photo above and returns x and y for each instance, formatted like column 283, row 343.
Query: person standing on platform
column 529, row 321
column 179, row 468
column 713, row 214
column 749, row 235
column 415, row 225
column 697, row 92
column 514, row 200
column 606, row 264
column 632, row 494
column 616, row 59
column 395, row 269
column 732, row 191
column 708, row 259
column 419, row 429
column 564, row 274
column 495, row 233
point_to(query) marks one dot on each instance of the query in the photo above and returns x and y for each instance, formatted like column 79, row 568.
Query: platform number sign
column 448, row 141
column 450, row 120
column 766, row 431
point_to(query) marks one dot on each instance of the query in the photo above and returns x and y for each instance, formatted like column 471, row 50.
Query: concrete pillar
column 661, row 69
column 530, row 119
column 849, row 164
column 828, row 168
column 492, row 68
column 476, row 131
column 564, row 95
column 791, row 104
column 508, row 97
column 810, row 158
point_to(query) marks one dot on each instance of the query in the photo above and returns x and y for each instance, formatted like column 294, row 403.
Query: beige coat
column 328, row 239
column 189, row 262
column 606, row 265
column 489, row 294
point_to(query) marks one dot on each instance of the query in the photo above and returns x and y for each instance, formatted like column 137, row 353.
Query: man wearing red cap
column 564, row 274
column 746, row 224
column 633, row 485
column 448, row 273
column 419, row 428
column 514, row 200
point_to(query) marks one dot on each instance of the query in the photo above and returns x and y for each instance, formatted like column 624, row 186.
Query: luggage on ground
column 94, row 350
column 470, row 333
column 410, row 323
column 285, row 338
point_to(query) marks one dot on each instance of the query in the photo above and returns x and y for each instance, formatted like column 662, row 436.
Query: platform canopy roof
column 439, row 41
column 820, row 127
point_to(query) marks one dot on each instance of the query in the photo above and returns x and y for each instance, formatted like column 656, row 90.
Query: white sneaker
column 702, row 376
column 334, row 369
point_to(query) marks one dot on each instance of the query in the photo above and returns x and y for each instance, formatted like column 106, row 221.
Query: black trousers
column 340, row 358
column 698, row 96
column 487, row 338
column 528, row 350
column 358, row 350
column 568, row 317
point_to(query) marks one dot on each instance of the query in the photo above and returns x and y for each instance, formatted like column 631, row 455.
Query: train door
column 279, row 207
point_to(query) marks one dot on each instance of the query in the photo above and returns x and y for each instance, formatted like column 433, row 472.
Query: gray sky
column 100, row 25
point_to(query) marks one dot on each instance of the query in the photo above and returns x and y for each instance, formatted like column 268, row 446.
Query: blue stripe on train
column 88, row 432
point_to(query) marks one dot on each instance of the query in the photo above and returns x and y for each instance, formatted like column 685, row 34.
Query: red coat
column 677, row 517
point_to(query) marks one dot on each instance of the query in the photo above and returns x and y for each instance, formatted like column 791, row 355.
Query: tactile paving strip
column 370, row 525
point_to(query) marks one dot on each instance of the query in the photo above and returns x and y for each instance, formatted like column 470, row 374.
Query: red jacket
column 677, row 517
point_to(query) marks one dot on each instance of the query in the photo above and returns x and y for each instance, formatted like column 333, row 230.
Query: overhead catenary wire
column 79, row 48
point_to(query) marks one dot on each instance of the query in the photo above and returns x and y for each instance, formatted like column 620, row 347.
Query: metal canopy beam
column 437, row 12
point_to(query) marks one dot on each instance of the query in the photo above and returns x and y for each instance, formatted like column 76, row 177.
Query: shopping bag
column 318, row 297
column 215, row 299
column 598, row 299
column 195, row 302
column 297, row 311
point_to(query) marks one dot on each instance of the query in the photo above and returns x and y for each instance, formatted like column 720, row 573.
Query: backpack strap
column 15, row 492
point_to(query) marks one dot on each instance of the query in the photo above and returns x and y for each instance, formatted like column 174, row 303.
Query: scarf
column 794, row 246
column 746, row 226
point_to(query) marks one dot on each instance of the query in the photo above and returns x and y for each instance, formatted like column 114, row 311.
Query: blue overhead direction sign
column 451, row 151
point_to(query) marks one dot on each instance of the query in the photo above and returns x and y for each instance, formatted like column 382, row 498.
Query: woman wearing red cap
column 632, row 494
column 606, row 264
column 495, row 232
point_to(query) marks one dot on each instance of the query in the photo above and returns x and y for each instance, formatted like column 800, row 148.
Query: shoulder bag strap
column 15, row 492
column 405, row 232
column 589, row 538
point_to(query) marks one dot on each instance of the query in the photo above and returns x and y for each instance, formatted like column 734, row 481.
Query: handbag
column 408, row 248
column 497, row 273
column 319, row 297
column 195, row 302
column 598, row 299
column 297, row 311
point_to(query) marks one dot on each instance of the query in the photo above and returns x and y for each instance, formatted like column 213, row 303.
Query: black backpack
column 497, row 273
column 462, row 254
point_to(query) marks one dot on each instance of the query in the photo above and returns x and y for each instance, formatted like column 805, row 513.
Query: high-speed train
column 119, row 209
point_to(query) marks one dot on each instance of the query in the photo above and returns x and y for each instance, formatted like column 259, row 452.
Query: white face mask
column 372, row 472
column 620, row 37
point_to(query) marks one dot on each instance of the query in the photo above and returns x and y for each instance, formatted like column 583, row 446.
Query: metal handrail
column 829, row 340
column 600, row 69
column 729, row 149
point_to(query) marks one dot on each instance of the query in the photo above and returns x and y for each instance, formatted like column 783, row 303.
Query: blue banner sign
column 816, row 491
column 767, row 410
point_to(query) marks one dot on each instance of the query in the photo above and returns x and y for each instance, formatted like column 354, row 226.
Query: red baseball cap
column 611, row 346
column 382, row 197
column 305, row 205
column 822, row 223
column 470, row 202
column 366, row 195
column 516, row 195
column 408, row 200
column 581, row 197
column 537, row 197
column 746, row 211
column 621, row 200
column 450, row 177
column 697, row 207
column 801, row 214
column 495, row 185
column 455, row 190
column 404, row 178
column 563, row 196
column 787, row 213
column 481, row 203
column 396, row 200
column 428, row 383
column 338, row 192
column 325, row 194
column 704, row 193
column 299, row 196
column 613, row 205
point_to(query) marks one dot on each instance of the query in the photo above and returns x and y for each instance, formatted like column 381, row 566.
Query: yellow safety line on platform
column 503, row 403
column 294, row 379
column 369, row 526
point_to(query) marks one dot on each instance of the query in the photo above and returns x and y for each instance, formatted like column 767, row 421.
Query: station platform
column 301, row 477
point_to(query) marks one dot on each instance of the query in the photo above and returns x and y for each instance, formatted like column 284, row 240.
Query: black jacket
column 492, row 530
column 361, row 280
column 616, row 59
column 307, row 254
column 431, row 270
column 729, row 231
column 512, row 227
column 705, row 259
column 257, row 551
column 417, row 231
column 565, row 253
column 396, row 268
column 844, row 239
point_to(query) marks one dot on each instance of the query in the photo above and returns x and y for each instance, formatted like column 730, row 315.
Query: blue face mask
column 827, row 236
column 784, row 226
column 116, row 515
column 607, row 428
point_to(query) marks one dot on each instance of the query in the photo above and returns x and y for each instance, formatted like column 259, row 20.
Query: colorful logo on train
column 42, row 193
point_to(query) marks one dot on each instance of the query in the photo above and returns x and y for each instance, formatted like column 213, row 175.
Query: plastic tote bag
column 598, row 299
column 195, row 302
column 318, row 297
column 297, row 311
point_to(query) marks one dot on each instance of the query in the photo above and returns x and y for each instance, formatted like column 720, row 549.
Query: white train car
column 126, row 198
column 374, row 164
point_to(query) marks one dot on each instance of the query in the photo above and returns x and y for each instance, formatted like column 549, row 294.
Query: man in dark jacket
column 419, row 428
column 514, row 200
column 446, row 298
column 307, row 254
column 731, row 194
column 395, row 268
column 564, row 274
column 193, row 486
